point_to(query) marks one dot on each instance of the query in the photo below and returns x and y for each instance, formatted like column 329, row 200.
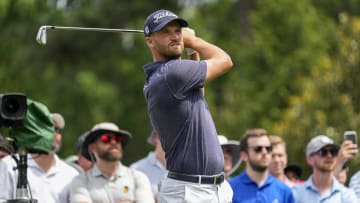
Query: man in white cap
column 59, row 124
column 154, row 164
column 59, row 121
column 231, row 150
column 322, row 186
column 109, row 180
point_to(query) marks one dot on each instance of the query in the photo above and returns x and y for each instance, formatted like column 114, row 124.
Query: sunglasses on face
column 107, row 138
column 324, row 152
column 259, row 149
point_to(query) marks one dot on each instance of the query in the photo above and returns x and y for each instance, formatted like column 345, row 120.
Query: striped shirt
column 355, row 184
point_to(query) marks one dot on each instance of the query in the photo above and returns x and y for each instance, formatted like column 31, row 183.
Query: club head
column 41, row 35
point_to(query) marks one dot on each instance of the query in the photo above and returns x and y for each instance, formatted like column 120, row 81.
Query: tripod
column 22, row 195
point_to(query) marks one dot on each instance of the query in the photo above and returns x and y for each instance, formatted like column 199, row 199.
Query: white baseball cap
column 234, row 147
column 58, row 120
column 319, row 142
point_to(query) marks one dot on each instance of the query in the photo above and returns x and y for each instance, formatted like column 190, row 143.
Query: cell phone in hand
column 350, row 135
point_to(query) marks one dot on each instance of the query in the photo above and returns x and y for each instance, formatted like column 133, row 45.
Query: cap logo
column 163, row 14
column 147, row 30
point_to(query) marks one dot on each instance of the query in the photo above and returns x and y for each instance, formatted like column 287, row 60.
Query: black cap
column 295, row 168
column 80, row 146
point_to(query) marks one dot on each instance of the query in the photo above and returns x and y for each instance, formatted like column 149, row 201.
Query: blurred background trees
column 295, row 65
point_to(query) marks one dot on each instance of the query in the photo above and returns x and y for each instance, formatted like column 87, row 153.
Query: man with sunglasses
column 322, row 186
column 255, row 184
column 109, row 180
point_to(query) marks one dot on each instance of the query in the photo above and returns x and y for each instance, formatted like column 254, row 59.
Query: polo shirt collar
column 53, row 170
column 336, row 186
column 95, row 171
column 246, row 180
column 151, row 67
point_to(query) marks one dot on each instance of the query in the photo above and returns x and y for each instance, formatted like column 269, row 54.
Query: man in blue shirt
column 322, row 186
column 178, row 110
column 255, row 185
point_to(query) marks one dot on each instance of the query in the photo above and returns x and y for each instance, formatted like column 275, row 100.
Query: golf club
column 41, row 35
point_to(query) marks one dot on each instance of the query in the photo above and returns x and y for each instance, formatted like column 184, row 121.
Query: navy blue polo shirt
column 180, row 115
column 247, row 191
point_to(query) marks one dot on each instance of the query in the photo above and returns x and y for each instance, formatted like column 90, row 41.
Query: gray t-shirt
column 180, row 115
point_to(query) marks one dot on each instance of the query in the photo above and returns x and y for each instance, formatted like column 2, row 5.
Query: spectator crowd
column 96, row 174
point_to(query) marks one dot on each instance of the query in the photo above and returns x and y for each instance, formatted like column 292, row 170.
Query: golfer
column 179, row 113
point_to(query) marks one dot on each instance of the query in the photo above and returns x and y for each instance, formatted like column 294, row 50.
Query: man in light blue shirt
column 154, row 164
column 355, row 184
column 322, row 186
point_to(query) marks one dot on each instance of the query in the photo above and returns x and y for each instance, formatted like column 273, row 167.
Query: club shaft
column 91, row 29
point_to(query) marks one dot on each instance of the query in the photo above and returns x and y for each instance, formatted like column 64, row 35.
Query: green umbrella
column 36, row 132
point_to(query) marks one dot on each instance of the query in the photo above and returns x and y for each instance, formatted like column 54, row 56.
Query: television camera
column 13, row 110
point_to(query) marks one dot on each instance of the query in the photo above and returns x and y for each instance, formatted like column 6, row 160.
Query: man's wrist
column 190, row 51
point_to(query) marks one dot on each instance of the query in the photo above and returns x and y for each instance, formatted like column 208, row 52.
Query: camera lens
column 11, row 106
column 12, row 109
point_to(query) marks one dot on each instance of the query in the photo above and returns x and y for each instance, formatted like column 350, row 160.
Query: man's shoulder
column 66, row 168
column 183, row 63
column 356, row 176
column 139, row 164
column 7, row 162
column 238, row 180
column 138, row 176
column 274, row 182
column 134, row 172
column 145, row 162
column 299, row 187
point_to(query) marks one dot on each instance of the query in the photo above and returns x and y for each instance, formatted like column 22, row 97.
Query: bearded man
column 255, row 184
column 109, row 180
column 322, row 186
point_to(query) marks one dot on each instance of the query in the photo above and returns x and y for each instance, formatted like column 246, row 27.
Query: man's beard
column 172, row 56
column 109, row 157
column 325, row 168
column 169, row 54
column 256, row 167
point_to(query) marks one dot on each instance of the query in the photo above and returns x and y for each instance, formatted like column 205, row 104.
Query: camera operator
column 48, row 176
